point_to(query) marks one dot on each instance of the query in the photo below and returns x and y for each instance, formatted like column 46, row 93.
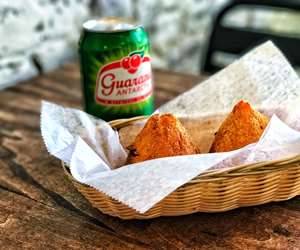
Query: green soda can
column 115, row 69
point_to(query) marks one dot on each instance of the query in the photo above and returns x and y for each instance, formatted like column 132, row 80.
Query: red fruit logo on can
column 125, row 81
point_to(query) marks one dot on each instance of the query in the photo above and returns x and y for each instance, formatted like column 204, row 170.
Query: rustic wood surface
column 40, row 209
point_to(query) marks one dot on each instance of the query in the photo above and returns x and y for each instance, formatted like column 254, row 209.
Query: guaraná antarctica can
column 115, row 69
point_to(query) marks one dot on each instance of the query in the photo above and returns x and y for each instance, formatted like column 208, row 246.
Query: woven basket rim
column 236, row 171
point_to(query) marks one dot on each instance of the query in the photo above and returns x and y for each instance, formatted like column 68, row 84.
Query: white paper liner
column 93, row 149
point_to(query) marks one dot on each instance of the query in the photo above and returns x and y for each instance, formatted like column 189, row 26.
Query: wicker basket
column 213, row 191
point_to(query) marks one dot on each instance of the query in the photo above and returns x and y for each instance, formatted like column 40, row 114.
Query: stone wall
column 40, row 35
column 37, row 35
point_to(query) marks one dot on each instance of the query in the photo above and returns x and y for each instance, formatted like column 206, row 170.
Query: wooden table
column 40, row 208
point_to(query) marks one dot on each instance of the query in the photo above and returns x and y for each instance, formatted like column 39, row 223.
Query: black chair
column 239, row 40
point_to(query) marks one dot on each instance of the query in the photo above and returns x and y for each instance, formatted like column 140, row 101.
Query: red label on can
column 125, row 81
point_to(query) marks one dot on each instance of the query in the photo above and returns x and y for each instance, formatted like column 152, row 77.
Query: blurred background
column 40, row 35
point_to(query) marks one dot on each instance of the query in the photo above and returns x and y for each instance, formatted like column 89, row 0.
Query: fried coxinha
column 162, row 136
column 243, row 126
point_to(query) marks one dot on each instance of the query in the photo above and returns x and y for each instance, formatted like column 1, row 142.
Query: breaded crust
column 242, row 126
column 162, row 136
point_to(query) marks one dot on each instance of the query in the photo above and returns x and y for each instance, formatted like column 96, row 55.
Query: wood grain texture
column 39, row 207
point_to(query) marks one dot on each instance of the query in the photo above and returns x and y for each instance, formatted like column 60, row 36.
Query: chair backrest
column 239, row 40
